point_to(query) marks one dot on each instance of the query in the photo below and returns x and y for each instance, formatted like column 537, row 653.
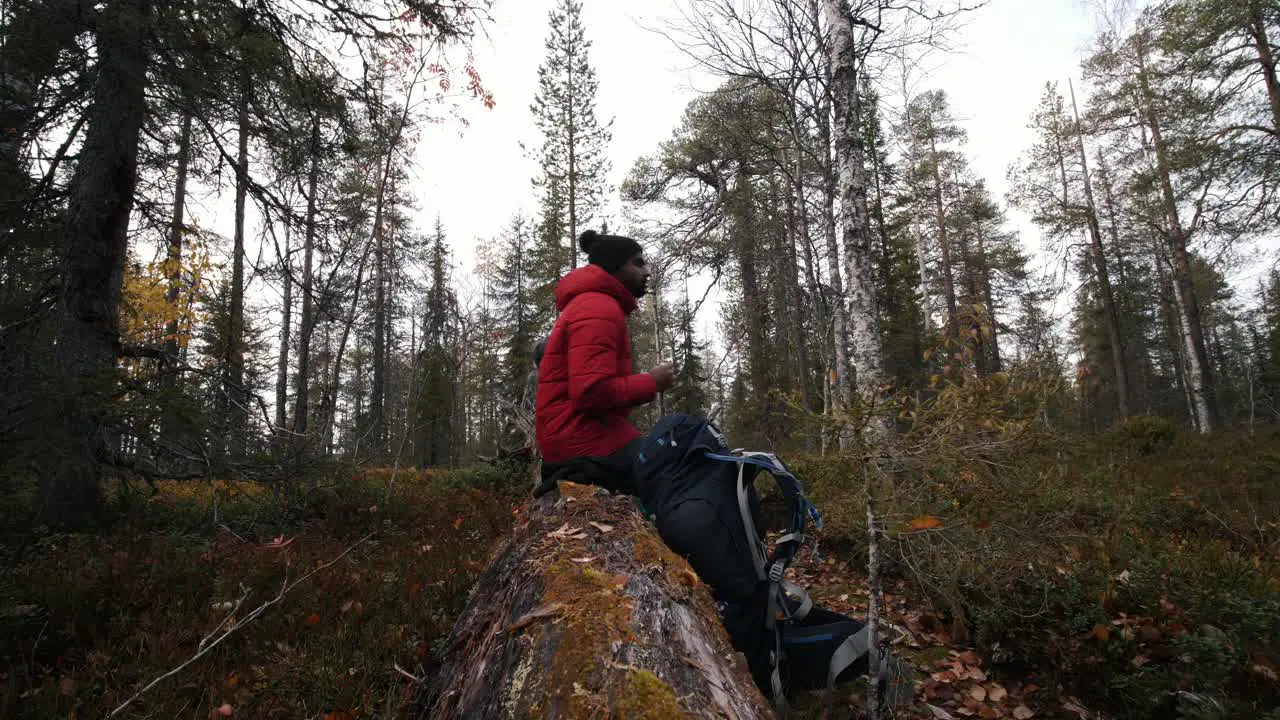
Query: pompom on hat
column 610, row 252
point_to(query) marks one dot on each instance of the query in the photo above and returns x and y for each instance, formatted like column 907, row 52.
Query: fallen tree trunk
column 584, row 612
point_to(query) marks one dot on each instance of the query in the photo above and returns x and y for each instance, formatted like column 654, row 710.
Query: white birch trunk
column 866, row 353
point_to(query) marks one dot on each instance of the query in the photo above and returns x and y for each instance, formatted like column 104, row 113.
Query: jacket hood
column 593, row 278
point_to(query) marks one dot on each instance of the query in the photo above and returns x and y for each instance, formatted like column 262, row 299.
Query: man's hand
column 664, row 375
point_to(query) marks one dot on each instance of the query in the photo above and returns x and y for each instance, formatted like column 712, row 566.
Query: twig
column 414, row 679
column 230, row 615
column 206, row 645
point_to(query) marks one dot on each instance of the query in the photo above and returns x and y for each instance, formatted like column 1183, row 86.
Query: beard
column 640, row 290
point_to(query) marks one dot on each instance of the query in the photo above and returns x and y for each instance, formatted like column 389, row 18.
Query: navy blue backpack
column 702, row 498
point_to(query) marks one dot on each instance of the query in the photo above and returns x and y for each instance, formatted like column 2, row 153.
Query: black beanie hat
column 610, row 252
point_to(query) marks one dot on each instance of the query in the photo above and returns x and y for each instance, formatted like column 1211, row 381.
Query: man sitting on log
column 586, row 384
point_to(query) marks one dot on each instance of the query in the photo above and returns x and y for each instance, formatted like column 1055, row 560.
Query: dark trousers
column 614, row 472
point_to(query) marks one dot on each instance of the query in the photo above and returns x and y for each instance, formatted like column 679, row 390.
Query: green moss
column 647, row 696
column 596, row 615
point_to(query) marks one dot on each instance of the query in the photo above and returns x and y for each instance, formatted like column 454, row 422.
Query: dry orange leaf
column 457, row 522
column 979, row 693
column 312, row 620
column 924, row 522
column 1101, row 632
column 988, row 713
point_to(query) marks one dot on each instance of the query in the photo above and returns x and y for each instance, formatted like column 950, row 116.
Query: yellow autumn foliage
column 145, row 311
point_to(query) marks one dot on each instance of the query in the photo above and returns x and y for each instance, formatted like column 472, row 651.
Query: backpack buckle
column 776, row 571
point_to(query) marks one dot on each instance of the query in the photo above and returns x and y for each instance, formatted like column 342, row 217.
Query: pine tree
column 690, row 394
column 573, row 158
column 514, row 306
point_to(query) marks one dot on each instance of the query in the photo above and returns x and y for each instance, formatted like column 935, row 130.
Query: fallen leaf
column 946, row 676
column 346, row 606
column 583, row 559
column 988, row 713
column 966, row 711
column 979, row 693
column 970, row 657
column 313, row 619
column 1022, row 712
column 457, row 522
column 844, row 598
column 1140, row 660
column 996, row 693
column 579, row 536
column 223, row 710
column 939, row 713
column 601, row 526
column 924, row 522
column 1101, row 632
column 1030, row 688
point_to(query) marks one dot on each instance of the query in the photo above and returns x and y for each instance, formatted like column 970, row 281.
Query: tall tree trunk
column 173, row 259
column 328, row 413
column 944, row 242
column 993, row 348
column 376, row 396
column 1200, row 374
column 864, row 321
column 744, row 234
column 286, row 321
column 1262, row 44
column 1120, row 367
column 93, row 256
column 306, row 323
column 795, row 296
column 839, row 358
column 237, row 398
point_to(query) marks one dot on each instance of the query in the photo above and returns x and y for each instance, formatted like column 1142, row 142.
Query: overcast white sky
column 478, row 179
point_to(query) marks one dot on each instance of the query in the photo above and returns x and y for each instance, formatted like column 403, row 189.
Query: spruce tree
column 571, row 179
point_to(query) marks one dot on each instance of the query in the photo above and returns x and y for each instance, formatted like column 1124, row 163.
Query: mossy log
column 584, row 612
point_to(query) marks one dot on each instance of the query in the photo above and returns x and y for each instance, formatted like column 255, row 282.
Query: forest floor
column 953, row 680
column 1128, row 583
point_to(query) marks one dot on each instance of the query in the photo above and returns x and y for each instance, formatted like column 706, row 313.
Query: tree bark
column 842, row 392
column 864, row 322
column 1120, row 367
column 572, row 619
column 174, row 257
column 235, row 396
column 306, row 323
column 1258, row 33
column 1199, row 372
column 944, row 241
column 93, row 257
column 286, row 321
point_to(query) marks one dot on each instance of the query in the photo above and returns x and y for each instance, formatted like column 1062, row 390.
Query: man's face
column 634, row 275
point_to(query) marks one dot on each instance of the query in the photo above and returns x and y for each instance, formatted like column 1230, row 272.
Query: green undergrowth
column 88, row 620
column 1128, row 566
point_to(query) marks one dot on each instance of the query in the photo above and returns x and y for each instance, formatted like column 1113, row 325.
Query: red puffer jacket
column 586, row 387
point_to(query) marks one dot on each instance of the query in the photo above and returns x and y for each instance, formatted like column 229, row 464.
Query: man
column 586, row 385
